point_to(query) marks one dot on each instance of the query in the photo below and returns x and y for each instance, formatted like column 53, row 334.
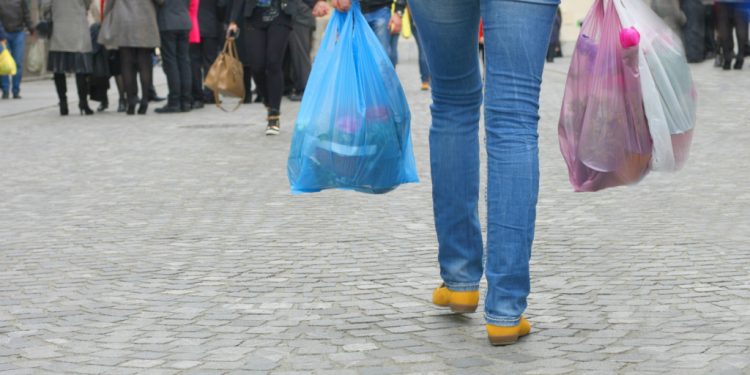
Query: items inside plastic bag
column 603, row 131
column 353, row 127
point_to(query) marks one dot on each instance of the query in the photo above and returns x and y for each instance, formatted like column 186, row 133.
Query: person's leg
column 209, row 53
column 61, row 86
column 82, row 85
column 740, row 26
column 723, row 15
column 513, row 82
column 171, row 68
column 710, row 31
column 183, row 66
column 17, row 46
column 449, row 34
column 128, row 72
column 276, row 45
column 424, row 69
column 299, row 49
column 196, row 60
column 393, row 48
column 378, row 21
column 257, row 55
column 146, row 71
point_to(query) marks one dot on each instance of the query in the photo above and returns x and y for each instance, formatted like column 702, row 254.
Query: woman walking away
column 70, row 49
column 268, row 24
column 516, row 34
column 130, row 26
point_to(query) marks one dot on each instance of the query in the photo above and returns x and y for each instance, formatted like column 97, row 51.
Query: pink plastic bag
column 603, row 132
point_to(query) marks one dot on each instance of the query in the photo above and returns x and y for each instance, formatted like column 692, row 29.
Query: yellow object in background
column 7, row 64
column 405, row 22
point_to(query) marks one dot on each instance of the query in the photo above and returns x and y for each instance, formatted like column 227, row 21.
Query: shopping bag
column 603, row 132
column 7, row 64
column 225, row 77
column 669, row 94
column 353, row 127
column 35, row 57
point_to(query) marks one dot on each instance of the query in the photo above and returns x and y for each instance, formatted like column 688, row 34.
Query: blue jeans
column 517, row 34
column 16, row 44
column 378, row 21
column 424, row 69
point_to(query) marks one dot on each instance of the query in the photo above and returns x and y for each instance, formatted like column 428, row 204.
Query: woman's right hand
column 232, row 30
column 342, row 5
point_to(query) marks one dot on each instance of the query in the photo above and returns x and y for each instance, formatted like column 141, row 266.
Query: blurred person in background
column 299, row 48
column 174, row 26
column 385, row 24
column 16, row 19
column 204, row 53
column 70, row 49
column 424, row 69
column 267, row 26
column 671, row 13
column 732, row 14
column 131, row 27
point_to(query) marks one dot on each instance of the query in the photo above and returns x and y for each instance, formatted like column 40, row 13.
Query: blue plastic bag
column 353, row 127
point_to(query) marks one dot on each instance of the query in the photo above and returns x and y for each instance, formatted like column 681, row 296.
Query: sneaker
column 5, row 95
column 16, row 96
column 273, row 127
column 425, row 86
column 295, row 97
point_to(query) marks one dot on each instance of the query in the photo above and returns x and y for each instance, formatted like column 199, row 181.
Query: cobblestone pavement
column 171, row 245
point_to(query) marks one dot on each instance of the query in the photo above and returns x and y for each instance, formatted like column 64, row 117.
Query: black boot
column 61, row 87
column 82, row 84
column 143, row 108
column 121, row 105
column 738, row 64
column 103, row 105
column 63, row 108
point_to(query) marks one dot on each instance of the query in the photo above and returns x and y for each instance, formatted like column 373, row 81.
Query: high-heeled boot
column 82, row 84
column 62, row 89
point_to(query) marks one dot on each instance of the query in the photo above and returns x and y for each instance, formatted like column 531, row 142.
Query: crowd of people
column 709, row 28
column 100, row 41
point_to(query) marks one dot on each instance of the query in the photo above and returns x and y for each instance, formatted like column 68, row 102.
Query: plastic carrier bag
column 669, row 95
column 7, row 64
column 603, row 132
column 352, row 130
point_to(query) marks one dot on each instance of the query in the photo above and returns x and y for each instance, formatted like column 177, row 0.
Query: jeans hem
column 462, row 287
column 502, row 321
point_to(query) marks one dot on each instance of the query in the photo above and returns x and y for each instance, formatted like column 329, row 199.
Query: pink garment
column 195, row 32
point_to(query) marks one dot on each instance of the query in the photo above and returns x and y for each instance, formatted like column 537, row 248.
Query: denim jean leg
column 378, row 21
column 393, row 48
column 517, row 35
column 424, row 69
column 449, row 32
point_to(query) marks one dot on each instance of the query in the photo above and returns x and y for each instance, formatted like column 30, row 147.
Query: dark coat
column 211, row 15
column 15, row 14
column 130, row 23
column 2, row 32
column 294, row 8
column 174, row 15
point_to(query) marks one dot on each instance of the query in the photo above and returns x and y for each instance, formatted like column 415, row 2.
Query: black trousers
column 300, row 45
column 730, row 16
column 132, row 61
column 202, row 56
column 267, row 49
column 176, row 63
column 710, row 33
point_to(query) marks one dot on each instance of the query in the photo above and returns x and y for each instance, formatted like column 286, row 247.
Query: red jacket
column 195, row 32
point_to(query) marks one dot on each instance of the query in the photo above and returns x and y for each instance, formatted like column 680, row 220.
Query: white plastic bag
column 669, row 95
column 35, row 58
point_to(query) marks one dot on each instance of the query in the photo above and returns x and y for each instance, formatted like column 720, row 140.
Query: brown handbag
column 226, row 75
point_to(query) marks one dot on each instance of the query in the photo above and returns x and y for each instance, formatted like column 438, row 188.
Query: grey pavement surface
column 170, row 244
